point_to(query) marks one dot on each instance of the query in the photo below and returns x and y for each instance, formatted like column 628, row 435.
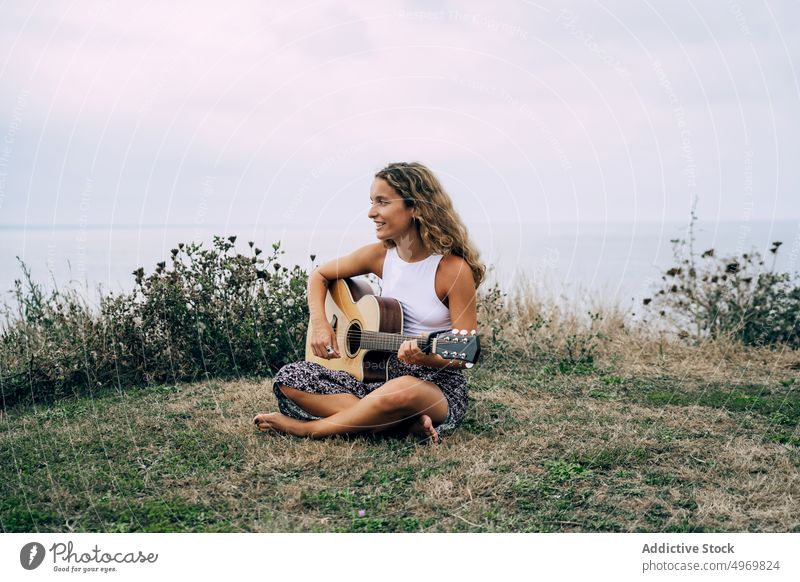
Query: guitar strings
column 378, row 340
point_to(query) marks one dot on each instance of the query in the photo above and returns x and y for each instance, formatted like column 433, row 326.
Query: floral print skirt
column 313, row 378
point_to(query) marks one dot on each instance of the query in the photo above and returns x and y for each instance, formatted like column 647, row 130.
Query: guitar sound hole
column 354, row 338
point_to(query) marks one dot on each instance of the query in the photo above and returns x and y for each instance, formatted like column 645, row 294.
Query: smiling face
column 389, row 212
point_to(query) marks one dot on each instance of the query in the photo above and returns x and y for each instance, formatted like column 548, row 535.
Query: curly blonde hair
column 439, row 225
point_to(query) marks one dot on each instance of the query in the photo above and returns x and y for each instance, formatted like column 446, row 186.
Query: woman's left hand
column 410, row 353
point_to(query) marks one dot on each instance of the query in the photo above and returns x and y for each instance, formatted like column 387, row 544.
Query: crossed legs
column 402, row 401
column 325, row 405
column 319, row 404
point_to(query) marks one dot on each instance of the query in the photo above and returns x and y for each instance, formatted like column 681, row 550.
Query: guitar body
column 351, row 307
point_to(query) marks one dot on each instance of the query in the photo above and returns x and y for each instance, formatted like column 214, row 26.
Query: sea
column 619, row 263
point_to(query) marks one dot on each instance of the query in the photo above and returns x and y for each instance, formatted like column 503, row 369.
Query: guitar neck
column 389, row 342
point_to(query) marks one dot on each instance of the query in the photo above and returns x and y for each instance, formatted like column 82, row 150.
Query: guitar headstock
column 456, row 344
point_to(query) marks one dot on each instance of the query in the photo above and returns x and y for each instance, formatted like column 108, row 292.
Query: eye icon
column 31, row 555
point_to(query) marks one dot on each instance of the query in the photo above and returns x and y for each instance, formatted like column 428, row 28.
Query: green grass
column 779, row 404
column 538, row 452
column 759, row 399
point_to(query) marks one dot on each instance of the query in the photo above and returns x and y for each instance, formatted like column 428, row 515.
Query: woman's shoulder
column 453, row 263
column 366, row 259
column 377, row 249
column 453, row 276
column 373, row 254
column 452, row 267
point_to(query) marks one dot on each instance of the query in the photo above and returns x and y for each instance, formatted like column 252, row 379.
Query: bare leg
column 319, row 404
column 397, row 401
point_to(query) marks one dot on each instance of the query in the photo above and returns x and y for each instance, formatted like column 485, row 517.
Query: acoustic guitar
column 369, row 328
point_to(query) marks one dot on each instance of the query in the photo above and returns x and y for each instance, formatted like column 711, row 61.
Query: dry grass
column 575, row 424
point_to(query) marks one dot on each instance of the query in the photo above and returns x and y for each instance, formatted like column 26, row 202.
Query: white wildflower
column 289, row 302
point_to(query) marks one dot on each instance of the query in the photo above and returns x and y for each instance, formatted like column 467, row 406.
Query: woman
column 426, row 261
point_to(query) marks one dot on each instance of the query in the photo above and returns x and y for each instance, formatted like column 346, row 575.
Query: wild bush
column 710, row 296
column 205, row 313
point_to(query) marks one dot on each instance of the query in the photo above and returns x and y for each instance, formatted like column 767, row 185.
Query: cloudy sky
column 173, row 113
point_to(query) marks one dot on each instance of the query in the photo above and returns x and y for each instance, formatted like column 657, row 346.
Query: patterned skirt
column 316, row 379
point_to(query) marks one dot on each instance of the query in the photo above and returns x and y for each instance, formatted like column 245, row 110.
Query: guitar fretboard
column 383, row 341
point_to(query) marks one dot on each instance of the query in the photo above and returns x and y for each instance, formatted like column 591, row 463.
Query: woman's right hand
column 322, row 336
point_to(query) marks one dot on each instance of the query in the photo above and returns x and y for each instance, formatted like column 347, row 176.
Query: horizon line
column 128, row 226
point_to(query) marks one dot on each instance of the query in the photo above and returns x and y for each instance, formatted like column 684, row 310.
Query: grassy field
column 647, row 438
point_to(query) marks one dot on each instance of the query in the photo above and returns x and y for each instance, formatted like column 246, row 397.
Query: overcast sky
column 256, row 112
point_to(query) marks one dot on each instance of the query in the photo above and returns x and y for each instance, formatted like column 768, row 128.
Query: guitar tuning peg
column 455, row 331
column 463, row 332
column 473, row 332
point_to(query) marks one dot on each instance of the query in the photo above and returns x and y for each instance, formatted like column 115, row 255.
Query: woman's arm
column 462, row 302
column 362, row 261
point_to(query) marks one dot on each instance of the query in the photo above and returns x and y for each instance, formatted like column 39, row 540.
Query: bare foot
column 281, row 423
column 424, row 428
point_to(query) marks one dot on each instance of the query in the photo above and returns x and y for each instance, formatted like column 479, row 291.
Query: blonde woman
column 424, row 259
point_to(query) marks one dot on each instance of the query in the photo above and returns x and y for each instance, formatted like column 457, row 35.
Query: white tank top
column 414, row 285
